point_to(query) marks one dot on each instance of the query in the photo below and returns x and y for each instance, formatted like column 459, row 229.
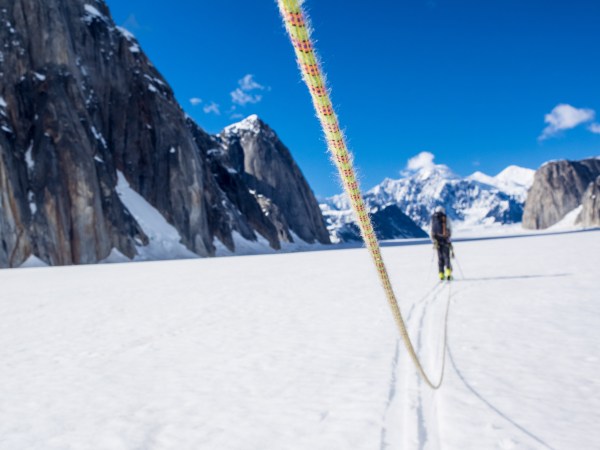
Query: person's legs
column 441, row 262
column 447, row 263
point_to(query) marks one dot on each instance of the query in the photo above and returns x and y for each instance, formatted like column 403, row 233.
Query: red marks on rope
column 332, row 127
column 304, row 46
column 319, row 91
column 326, row 110
column 294, row 18
column 353, row 185
column 311, row 69
column 342, row 158
column 337, row 144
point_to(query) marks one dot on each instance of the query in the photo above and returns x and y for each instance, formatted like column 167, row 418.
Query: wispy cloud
column 423, row 160
column 244, row 93
column 247, row 83
column 213, row 108
column 195, row 101
column 565, row 117
column 242, row 98
column 594, row 128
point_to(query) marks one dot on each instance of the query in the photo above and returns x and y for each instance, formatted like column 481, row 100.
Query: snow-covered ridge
column 164, row 240
column 479, row 200
column 92, row 13
column 513, row 180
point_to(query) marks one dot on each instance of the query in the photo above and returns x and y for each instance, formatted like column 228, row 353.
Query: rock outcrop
column 391, row 223
column 252, row 150
column 558, row 188
column 590, row 211
column 79, row 101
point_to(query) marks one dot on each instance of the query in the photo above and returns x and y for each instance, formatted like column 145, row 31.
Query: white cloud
column 247, row 83
column 243, row 94
column 195, row 101
column 565, row 117
column 242, row 98
column 423, row 160
column 212, row 108
column 594, row 128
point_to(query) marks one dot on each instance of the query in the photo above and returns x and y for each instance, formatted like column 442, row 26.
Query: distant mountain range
column 473, row 201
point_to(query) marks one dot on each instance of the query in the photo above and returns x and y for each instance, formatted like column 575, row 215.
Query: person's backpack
column 438, row 225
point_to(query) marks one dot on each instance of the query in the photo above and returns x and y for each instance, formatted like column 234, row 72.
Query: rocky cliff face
column 590, row 212
column 79, row 100
column 254, row 152
column 258, row 187
column 558, row 188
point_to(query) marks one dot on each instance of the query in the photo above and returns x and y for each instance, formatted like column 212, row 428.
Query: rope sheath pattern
column 296, row 26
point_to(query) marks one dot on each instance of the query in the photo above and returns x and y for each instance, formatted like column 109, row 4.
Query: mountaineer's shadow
column 491, row 406
column 516, row 277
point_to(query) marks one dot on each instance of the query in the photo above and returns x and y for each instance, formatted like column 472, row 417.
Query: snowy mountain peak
column 476, row 200
column 252, row 123
column 516, row 175
column 431, row 173
column 422, row 167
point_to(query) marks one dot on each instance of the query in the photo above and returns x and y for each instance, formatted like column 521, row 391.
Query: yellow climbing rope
column 296, row 26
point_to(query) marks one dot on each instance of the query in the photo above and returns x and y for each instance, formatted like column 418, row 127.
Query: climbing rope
column 296, row 26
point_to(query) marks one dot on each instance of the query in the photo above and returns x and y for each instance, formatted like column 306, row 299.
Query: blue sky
column 480, row 84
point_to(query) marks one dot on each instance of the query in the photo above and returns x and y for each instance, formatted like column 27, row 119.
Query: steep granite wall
column 79, row 101
column 558, row 188
column 590, row 212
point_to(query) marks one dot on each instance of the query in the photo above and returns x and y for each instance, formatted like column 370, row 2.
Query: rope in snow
column 296, row 25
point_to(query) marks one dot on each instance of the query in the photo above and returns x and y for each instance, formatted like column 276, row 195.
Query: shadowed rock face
column 266, row 166
column 558, row 188
column 391, row 223
column 79, row 100
column 590, row 212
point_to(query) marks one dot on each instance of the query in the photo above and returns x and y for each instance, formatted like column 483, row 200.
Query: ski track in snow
column 299, row 351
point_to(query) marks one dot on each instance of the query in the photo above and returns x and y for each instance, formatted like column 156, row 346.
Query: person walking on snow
column 440, row 235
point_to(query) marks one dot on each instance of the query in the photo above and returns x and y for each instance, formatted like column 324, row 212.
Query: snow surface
column 29, row 157
column 299, row 351
column 165, row 242
column 569, row 221
column 92, row 13
column 99, row 137
column 126, row 33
